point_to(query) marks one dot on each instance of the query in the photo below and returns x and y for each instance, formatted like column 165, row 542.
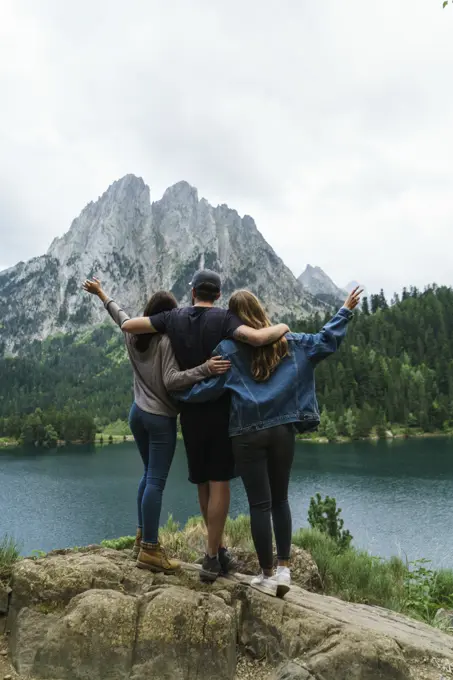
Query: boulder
column 185, row 635
column 59, row 578
column 94, row 616
column 94, row 638
column 340, row 640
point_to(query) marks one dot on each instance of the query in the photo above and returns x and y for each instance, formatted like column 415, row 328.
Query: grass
column 352, row 575
column 8, row 441
column 356, row 576
column 189, row 542
column 9, row 554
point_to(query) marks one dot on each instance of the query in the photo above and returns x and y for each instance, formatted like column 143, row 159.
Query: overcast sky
column 331, row 123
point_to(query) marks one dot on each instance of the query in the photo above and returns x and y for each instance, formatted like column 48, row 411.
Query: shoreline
column 374, row 438
column 8, row 443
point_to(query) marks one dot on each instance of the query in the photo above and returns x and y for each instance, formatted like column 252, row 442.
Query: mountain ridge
column 137, row 246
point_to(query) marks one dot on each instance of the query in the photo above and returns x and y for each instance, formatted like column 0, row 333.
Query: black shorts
column 208, row 445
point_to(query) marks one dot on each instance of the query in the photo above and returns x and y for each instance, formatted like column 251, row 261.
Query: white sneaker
column 265, row 584
column 283, row 575
column 283, row 578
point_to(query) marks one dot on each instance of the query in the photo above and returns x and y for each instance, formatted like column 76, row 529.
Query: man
column 194, row 333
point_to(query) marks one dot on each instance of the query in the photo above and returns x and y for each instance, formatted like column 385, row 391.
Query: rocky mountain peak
column 317, row 282
column 181, row 193
column 135, row 248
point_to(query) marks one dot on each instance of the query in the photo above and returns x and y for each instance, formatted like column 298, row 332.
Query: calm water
column 397, row 498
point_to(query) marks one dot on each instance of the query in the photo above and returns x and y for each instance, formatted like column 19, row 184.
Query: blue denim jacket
column 289, row 394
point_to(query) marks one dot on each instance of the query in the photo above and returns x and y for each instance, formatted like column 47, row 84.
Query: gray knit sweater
column 156, row 371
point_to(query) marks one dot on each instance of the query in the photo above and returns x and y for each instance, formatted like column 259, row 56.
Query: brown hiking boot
column 152, row 557
column 137, row 544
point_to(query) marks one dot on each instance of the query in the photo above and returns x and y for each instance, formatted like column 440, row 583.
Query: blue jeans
column 155, row 437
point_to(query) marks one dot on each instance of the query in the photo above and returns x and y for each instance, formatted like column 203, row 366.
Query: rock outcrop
column 137, row 247
column 92, row 614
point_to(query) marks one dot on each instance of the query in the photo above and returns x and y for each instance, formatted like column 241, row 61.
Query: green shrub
column 427, row 590
column 442, row 588
column 325, row 516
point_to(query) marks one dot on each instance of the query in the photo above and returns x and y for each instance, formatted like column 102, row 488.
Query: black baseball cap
column 205, row 278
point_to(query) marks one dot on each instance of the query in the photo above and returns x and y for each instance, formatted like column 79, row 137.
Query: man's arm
column 138, row 326
column 144, row 324
column 261, row 337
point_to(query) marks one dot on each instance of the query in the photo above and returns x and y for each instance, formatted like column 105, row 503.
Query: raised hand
column 218, row 365
column 353, row 298
column 92, row 286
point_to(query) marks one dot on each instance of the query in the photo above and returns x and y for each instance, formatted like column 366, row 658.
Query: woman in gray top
column 153, row 416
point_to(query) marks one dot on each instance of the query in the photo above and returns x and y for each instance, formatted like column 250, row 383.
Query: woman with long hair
column 153, row 416
column 272, row 395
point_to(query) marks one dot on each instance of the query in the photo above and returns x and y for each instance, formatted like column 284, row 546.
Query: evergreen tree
column 350, row 423
column 382, row 301
column 394, row 367
column 331, row 430
column 375, row 303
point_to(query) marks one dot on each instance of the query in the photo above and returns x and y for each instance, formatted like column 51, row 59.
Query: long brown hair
column 265, row 359
column 162, row 301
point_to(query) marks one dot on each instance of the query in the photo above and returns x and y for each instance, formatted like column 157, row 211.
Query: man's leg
column 203, row 499
column 217, row 513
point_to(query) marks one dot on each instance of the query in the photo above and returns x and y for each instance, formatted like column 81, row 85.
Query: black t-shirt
column 195, row 332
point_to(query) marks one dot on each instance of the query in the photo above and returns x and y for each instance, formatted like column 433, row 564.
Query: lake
column 396, row 497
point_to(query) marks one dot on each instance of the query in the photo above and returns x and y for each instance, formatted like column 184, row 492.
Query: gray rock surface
column 291, row 671
column 137, row 247
column 4, row 597
column 125, row 623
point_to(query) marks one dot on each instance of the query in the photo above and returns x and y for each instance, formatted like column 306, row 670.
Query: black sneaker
column 227, row 561
column 210, row 569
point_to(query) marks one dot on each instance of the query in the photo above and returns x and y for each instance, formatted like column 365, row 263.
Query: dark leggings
column 264, row 460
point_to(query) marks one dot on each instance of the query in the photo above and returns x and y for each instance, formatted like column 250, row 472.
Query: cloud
column 328, row 123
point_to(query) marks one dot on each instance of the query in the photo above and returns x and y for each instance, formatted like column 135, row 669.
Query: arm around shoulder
column 138, row 326
column 262, row 336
